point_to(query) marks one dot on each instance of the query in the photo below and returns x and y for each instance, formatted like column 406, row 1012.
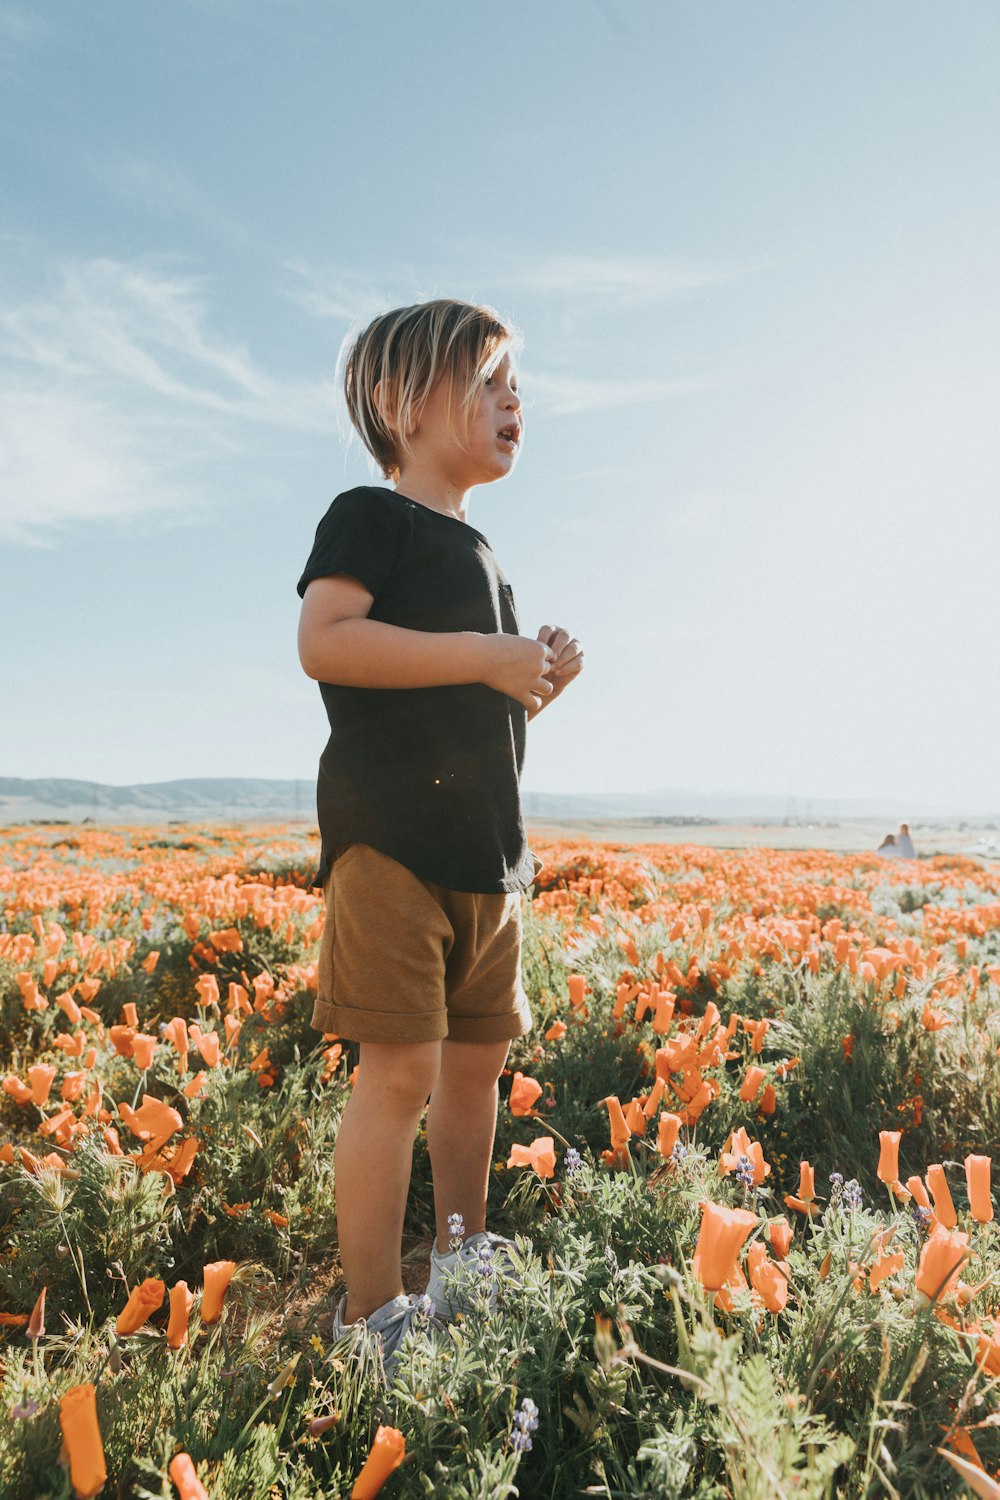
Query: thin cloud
column 64, row 458
column 101, row 373
column 333, row 291
column 566, row 395
column 162, row 191
column 625, row 281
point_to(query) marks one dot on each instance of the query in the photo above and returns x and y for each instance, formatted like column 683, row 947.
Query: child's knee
column 404, row 1072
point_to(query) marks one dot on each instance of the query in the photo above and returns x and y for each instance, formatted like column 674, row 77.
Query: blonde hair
column 405, row 352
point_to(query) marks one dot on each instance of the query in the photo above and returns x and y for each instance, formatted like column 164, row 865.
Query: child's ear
column 380, row 406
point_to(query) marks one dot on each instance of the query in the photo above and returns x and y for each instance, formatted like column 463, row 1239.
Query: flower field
column 747, row 1152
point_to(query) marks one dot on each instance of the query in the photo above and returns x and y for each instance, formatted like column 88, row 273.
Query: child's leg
column 373, row 1158
column 461, row 1126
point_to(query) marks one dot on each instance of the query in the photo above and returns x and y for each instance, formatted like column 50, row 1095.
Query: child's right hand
column 515, row 665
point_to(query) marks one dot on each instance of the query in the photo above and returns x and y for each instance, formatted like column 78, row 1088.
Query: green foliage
column 644, row 1388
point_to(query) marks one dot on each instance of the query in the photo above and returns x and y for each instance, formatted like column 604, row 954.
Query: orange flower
column 40, row 1078
column 540, row 1155
column 208, row 989
column 620, row 1133
column 888, row 1161
column 885, row 1266
column 36, row 1323
column 150, row 961
column 988, row 1349
column 807, row 1191
column 180, row 1163
column 807, row 1182
column 217, row 1277
column 524, row 1091
column 144, row 1050
column 387, row 1453
column 18, row 1091
column 752, row 1081
column 765, row 1278
column 143, row 1300
column 667, row 1132
column 207, row 1043
column 940, row 1261
column 182, row 1472
column 82, row 1437
column 977, row 1177
column 577, row 986
column 781, row 1237
column 720, row 1239
column 175, row 1031
column 181, row 1301
column 556, row 1031
column 740, row 1144
column 940, row 1192
column 152, row 1120
column 934, row 1019
column 121, row 1039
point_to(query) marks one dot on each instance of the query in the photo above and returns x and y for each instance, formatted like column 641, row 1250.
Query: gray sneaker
column 384, row 1330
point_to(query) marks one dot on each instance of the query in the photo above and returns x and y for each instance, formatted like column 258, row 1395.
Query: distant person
column 888, row 848
column 410, row 629
column 904, row 843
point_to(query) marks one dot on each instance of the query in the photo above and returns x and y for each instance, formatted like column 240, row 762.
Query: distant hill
column 252, row 799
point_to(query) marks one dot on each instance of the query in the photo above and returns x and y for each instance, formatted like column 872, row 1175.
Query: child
column 410, row 628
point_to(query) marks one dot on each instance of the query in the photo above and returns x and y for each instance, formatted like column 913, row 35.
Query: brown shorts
column 405, row 960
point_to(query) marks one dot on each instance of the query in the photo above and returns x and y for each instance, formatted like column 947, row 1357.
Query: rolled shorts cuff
column 380, row 1025
column 501, row 1028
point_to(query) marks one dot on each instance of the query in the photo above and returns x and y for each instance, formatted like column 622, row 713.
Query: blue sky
column 753, row 251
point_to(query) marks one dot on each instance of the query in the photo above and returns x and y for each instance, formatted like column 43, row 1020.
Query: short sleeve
column 358, row 535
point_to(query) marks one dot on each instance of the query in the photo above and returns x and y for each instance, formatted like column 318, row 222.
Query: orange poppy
column 740, row 1144
column 387, row 1453
column 765, row 1278
column 668, row 1130
column 941, row 1193
column 218, row 1274
column 40, row 1078
column 144, row 1050
column 885, row 1266
column 143, row 1300
column 577, row 986
column 720, row 1239
column 182, row 1471
column 620, row 1132
column 888, row 1161
column 540, row 1155
column 977, row 1177
column 181, row 1301
column 82, row 1437
column 781, row 1237
column 36, row 1323
column 752, row 1080
column 942, row 1257
column 524, row 1091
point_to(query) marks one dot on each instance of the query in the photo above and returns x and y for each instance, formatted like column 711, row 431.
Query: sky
column 753, row 253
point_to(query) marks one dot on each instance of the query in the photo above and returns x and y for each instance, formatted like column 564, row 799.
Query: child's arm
column 568, row 662
column 339, row 644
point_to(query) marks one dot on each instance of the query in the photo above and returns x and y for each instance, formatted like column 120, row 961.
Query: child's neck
column 435, row 490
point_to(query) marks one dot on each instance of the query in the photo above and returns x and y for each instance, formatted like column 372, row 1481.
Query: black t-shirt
column 428, row 775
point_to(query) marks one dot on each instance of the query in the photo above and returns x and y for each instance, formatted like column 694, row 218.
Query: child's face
column 486, row 455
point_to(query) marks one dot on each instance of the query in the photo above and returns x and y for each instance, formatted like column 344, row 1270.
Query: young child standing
column 410, row 628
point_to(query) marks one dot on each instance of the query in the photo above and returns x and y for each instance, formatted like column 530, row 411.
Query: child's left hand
column 568, row 662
